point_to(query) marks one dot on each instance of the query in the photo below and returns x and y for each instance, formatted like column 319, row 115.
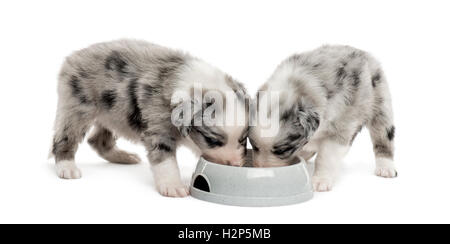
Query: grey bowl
column 251, row 187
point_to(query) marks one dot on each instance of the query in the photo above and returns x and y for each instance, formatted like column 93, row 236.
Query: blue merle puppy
column 326, row 97
column 125, row 89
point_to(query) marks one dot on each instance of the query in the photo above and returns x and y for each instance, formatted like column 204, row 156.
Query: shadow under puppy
column 125, row 88
column 326, row 97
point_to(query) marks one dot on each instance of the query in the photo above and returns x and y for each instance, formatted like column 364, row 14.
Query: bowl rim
column 301, row 161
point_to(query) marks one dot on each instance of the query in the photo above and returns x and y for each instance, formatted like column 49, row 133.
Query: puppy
column 126, row 88
column 326, row 97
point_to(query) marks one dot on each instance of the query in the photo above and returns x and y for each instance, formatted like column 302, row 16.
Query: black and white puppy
column 126, row 88
column 326, row 97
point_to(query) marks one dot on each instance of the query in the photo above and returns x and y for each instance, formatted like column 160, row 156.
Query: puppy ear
column 183, row 115
column 190, row 113
column 310, row 121
column 237, row 87
column 308, row 118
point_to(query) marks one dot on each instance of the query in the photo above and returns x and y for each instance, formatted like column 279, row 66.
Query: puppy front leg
column 167, row 178
column 162, row 157
column 328, row 161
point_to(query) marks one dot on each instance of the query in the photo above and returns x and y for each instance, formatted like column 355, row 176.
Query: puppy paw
column 385, row 168
column 386, row 172
column 122, row 157
column 67, row 169
column 322, row 184
column 173, row 189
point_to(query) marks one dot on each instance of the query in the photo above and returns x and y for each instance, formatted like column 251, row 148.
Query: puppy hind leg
column 103, row 142
column 382, row 133
column 69, row 132
column 381, row 128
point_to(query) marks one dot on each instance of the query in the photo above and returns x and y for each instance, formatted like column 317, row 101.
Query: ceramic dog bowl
column 251, row 187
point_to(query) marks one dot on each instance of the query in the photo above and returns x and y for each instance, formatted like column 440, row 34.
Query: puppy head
column 221, row 144
column 297, row 124
column 218, row 126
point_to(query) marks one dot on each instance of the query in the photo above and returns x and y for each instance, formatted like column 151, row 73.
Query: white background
column 247, row 39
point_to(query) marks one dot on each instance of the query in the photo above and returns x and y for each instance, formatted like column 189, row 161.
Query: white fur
column 328, row 162
column 168, row 180
column 198, row 73
column 385, row 168
column 66, row 169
